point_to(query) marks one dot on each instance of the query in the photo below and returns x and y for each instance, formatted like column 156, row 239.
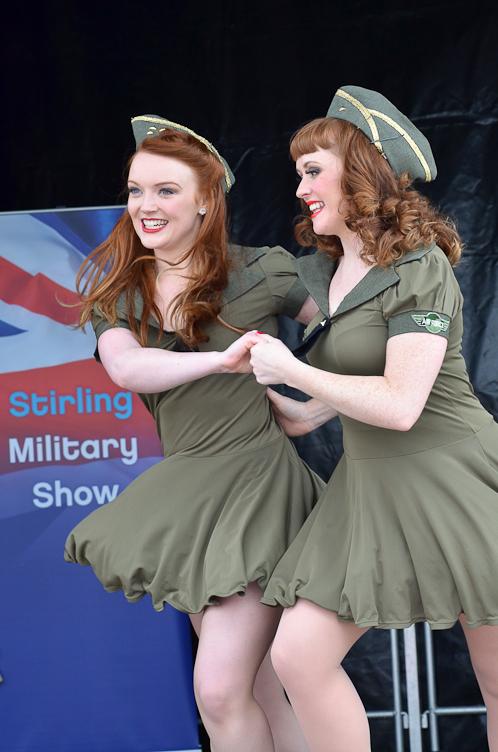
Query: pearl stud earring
column 202, row 210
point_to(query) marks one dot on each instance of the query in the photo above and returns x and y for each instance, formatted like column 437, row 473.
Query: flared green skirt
column 193, row 529
column 397, row 540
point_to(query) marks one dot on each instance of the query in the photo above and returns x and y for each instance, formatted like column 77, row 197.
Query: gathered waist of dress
column 228, row 449
column 363, row 441
column 214, row 416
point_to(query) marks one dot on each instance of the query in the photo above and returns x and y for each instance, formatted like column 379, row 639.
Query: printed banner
column 82, row 670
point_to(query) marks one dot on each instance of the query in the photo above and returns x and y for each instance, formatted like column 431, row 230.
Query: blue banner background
column 83, row 671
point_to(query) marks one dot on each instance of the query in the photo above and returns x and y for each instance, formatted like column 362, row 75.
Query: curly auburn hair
column 390, row 217
column 122, row 263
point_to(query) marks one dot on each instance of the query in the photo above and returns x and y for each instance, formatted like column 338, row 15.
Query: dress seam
column 182, row 453
column 455, row 408
column 482, row 448
column 474, row 434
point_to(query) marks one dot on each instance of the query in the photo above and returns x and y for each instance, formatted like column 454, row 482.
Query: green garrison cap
column 396, row 138
column 152, row 125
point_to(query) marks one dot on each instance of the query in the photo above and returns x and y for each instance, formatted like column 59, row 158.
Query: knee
column 215, row 698
column 289, row 660
column 309, row 647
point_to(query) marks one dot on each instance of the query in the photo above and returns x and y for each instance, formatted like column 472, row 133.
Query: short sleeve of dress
column 426, row 299
column 101, row 325
column 286, row 289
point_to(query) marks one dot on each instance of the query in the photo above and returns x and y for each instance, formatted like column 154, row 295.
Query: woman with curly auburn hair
column 389, row 217
column 169, row 299
column 406, row 530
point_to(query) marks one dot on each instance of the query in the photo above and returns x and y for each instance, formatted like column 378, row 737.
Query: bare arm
column 298, row 418
column 394, row 400
column 150, row 369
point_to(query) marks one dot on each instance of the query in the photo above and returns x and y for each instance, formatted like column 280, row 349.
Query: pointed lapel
column 373, row 283
column 240, row 278
column 316, row 272
column 139, row 306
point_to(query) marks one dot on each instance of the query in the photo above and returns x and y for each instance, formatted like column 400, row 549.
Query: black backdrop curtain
column 246, row 74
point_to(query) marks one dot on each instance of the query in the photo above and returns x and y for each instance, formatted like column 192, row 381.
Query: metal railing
column 430, row 716
column 396, row 713
column 413, row 719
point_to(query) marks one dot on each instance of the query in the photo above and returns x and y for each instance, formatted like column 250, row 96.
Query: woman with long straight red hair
column 407, row 528
column 169, row 299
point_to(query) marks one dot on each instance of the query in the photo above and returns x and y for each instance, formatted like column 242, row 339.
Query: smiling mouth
column 153, row 225
column 315, row 207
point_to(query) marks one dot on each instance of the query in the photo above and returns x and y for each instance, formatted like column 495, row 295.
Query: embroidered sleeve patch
column 433, row 322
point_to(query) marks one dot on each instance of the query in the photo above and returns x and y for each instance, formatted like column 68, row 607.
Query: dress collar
column 317, row 270
column 240, row 280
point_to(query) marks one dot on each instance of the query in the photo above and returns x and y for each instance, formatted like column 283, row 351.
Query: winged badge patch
column 432, row 322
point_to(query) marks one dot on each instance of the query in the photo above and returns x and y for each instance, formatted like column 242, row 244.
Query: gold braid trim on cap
column 367, row 114
column 408, row 139
column 177, row 126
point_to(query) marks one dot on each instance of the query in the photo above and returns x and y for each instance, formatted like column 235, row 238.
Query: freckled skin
column 394, row 400
column 413, row 360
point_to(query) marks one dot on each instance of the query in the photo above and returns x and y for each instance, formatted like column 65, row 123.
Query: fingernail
column 259, row 332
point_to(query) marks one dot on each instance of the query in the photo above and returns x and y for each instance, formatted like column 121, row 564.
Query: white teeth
column 151, row 224
column 315, row 206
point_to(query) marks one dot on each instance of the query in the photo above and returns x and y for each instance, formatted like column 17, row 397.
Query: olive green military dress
column 407, row 529
column 231, row 494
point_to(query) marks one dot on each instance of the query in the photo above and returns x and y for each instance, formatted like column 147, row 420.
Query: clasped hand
column 272, row 363
column 268, row 358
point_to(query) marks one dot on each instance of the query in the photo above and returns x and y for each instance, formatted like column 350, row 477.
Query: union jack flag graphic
column 71, row 440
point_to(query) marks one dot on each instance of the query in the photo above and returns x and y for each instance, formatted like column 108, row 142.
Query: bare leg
column 234, row 639
column 285, row 729
column 483, row 648
column 307, row 653
column 269, row 693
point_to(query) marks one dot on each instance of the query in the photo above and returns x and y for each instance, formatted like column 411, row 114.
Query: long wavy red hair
column 122, row 263
column 390, row 217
